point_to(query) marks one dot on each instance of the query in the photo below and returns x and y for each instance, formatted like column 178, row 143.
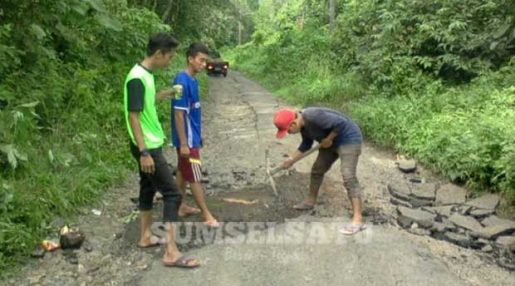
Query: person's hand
column 287, row 163
column 168, row 93
column 326, row 143
column 184, row 151
column 147, row 164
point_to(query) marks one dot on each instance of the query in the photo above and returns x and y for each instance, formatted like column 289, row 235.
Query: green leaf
column 80, row 8
column 13, row 155
column 30, row 104
column 37, row 31
column 502, row 30
column 108, row 22
column 97, row 5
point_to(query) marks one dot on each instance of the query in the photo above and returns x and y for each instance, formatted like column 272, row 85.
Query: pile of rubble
column 444, row 212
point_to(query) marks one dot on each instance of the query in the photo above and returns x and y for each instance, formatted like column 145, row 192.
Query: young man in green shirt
column 147, row 138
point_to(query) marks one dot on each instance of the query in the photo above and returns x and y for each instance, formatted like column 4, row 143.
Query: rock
column 507, row 242
column 419, row 231
column 466, row 222
column 445, row 211
column 494, row 220
column 39, row 252
column 463, row 209
column 416, row 203
column 404, row 222
column 399, row 202
column 400, row 191
column 442, row 227
column 422, row 218
column 487, row 248
column 492, row 232
column 480, row 213
column 407, row 166
column 459, row 239
column 417, row 179
column 424, row 192
column 449, row 194
column 488, row 202
column 72, row 239
column 479, row 243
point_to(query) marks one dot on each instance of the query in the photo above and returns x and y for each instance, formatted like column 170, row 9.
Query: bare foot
column 186, row 210
column 151, row 241
column 210, row 221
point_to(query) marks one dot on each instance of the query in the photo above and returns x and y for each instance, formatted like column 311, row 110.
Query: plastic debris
column 49, row 245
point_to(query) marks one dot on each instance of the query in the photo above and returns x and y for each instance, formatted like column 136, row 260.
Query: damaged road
column 263, row 241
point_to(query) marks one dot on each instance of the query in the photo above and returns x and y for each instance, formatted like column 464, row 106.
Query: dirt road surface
column 264, row 242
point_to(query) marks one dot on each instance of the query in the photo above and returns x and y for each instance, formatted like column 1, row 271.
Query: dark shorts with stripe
column 190, row 168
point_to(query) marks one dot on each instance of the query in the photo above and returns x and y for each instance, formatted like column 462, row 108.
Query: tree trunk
column 332, row 15
column 167, row 11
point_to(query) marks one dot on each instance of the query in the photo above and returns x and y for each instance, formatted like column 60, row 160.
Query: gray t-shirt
column 319, row 122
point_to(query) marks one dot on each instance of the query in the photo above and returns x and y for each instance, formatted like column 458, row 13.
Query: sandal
column 350, row 228
column 304, row 206
column 183, row 262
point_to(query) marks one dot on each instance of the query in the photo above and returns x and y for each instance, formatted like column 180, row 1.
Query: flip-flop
column 350, row 229
column 304, row 206
column 158, row 241
column 182, row 262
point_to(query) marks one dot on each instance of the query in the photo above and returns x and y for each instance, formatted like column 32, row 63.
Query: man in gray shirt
column 339, row 137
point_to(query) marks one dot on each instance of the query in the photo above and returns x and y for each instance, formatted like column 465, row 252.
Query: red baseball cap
column 282, row 120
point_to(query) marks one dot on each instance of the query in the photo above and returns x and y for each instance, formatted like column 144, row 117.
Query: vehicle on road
column 215, row 64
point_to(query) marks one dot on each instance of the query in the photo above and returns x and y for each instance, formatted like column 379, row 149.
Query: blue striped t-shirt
column 190, row 104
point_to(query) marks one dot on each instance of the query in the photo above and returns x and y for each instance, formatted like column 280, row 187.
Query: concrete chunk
column 466, row 222
column 400, row 191
column 445, row 211
column 479, row 213
column 459, row 239
column 399, row 202
column 449, row 194
column 416, row 203
column 495, row 220
column 407, row 166
column 422, row 218
column 442, row 227
column 492, row 232
column 488, row 201
column 507, row 242
column 424, row 191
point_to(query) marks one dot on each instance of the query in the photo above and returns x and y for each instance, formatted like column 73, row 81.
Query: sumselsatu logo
column 196, row 105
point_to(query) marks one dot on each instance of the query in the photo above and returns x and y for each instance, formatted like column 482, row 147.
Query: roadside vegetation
column 434, row 80
column 62, row 136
